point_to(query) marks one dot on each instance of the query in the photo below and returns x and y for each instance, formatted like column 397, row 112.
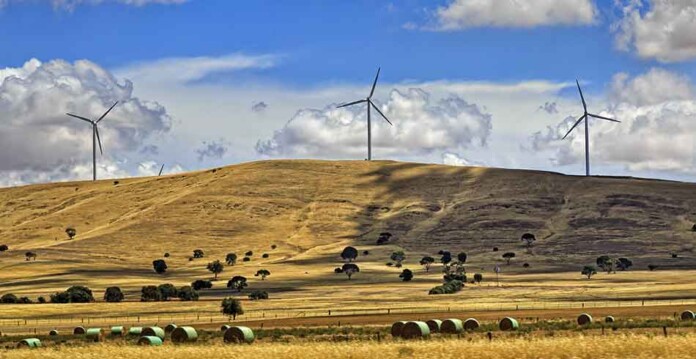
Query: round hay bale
column 151, row 341
column 434, row 325
column 135, row 331
column 508, row 323
column 471, row 324
column 95, row 334
column 29, row 343
column 117, row 331
column 413, row 330
column 78, row 331
column 53, row 332
column 184, row 335
column 396, row 328
column 224, row 327
column 153, row 332
column 451, row 326
column 609, row 319
column 688, row 315
column 584, row 319
column 170, row 328
column 239, row 335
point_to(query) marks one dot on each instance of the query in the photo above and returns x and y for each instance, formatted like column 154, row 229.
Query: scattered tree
column 258, row 295
column 187, row 293
column 525, row 265
column 9, row 298
column 24, row 300
column 74, row 294
column 606, row 263
column 446, row 257
column 232, row 307
column 461, row 257
column 3, row 247
column 478, row 278
column 237, row 282
column 71, row 232
column 30, row 255
column 426, row 262
column 246, row 259
column 167, row 291
column 41, row 300
column 495, row 249
column 349, row 254
column 263, row 273
column 273, row 246
column 589, row 271
column 398, row 257
column 652, row 267
column 216, row 267
column 350, row 268
column 231, row 259
column 265, row 255
column 529, row 239
column 249, row 253
column 113, row 295
column 383, row 238
column 199, row 284
column 160, row 266
column 624, row 263
column 150, row 293
column 166, row 255
column 406, row 275
column 198, row 253
column 508, row 256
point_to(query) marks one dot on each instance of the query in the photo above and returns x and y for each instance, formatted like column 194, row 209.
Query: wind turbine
column 160, row 171
column 95, row 137
column 586, row 115
column 369, row 102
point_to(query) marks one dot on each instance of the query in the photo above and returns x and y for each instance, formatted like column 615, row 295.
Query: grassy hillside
column 312, row 209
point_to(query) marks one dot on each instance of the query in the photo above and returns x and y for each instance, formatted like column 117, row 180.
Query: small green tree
column 263, row 273
column 71, row 232
column 237, row 282
column 216, row 267
column 160, row 266
column 232, row 307
column 589, row 271
column 426, row 262
column 398, row 257
column 198, row 253
column 167, row 291
column 349, row 254
column 508, row 256
column 406, row 275
column 350, row 268
column 231, row 259
column 478, row 278
column 529, row 239
column 113, row 295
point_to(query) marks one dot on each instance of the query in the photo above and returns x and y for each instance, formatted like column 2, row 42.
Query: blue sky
column 301, row 57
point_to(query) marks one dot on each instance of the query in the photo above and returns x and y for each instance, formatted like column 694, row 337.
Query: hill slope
column 311, row 209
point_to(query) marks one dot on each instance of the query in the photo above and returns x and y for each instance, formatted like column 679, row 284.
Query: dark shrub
column 24, row 300
column 3, row 247
column 231, row 259
column 652, row 267
column 166, row 255
column 526, row 265
column 258, row 295
column 478, row 277
column 201, row 284
column 41, row 300
column 495, row 249
column 246, row 259
column 160, row 266
column 113, row 295
column 265, row 255
column 366, row 253
column 338, row 270
column 71, row 232
column 9, row 298
column 167, row 291
column 273, row 246
column 406, row 275
column 249, row 253
column 389, row 264
column 150, row 293
column 198, row 253
column 74, row 294
column 186, row 293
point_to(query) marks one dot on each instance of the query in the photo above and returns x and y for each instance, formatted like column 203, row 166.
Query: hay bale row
column 117, row 331
column 688, row 315
column 79, row 331
column 170, row 328
column 414, row 330
column 150, row 340
column 153, row 332
column 471, row 324
column 609, row 319
column 224, row 327
column 184, row 335
column 95, row 334
column 53, row 333
column 29, row 343
column 434, row 325
column 396, row 328
column 135, row 331
column 452, row 326
column 241, row 335
column 584, row 319
column 508, row 323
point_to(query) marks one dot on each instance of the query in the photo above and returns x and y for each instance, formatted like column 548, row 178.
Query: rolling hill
column 311, row 209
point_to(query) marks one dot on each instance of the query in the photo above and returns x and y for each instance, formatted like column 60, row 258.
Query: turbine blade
column 351, row 103
column 584, row 105
column 107, row 111
column 160, row 171
column 572, row 128
column 79, row 117
column 603, row 118
column 380, row 112
column 374, row 84
column 96, row 129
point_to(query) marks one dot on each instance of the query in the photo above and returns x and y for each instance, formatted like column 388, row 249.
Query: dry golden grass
column 575, row 346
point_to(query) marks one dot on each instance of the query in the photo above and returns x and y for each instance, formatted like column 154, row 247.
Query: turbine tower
column 95, row 137
column 369, row 102
column 586, row 115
